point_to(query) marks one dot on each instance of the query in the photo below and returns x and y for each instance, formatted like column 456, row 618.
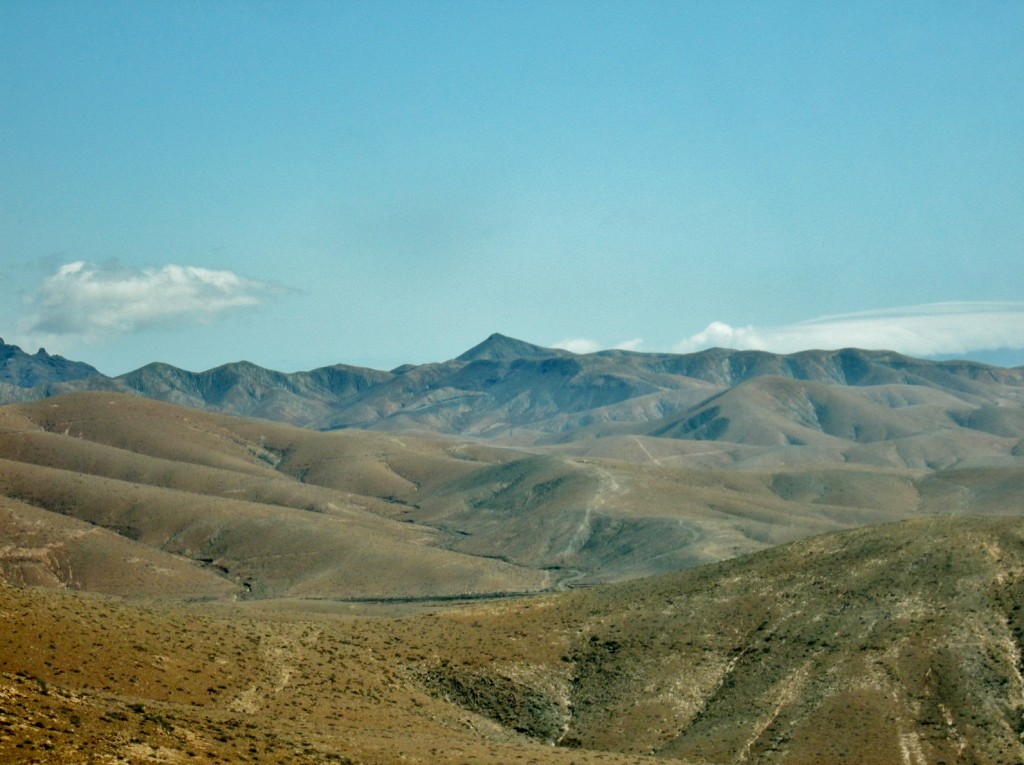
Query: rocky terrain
column 517, row 555
column 24, row 376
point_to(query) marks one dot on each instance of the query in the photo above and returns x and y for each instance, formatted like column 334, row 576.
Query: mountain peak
column 500, row 347
column 24, row 370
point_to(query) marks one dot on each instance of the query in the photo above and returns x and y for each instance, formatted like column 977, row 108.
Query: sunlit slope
column 602, row 519
column 897, row 425
column 39, row 548
column 896, row 643
column 281, row 510
column 888, row 644
column 213, row 497
column 86, row 679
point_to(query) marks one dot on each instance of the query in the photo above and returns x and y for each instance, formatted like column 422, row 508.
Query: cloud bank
column 86, row 302
column 934, row 329
column 922, row 330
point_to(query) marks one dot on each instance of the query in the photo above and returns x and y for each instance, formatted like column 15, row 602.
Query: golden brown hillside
column 890, row 644
column 184, row 586
column 276, row 510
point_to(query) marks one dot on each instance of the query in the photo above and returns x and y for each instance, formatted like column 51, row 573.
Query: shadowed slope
column 881, row 645
column 22, row 370
column 249, row 390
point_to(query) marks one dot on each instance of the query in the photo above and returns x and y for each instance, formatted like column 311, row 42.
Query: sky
column 304, row 183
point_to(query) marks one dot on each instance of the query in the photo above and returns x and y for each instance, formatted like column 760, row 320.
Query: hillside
column 277, row 511
column 22, row 370
column 183, row 483
column 897, row 643
column 787, row 560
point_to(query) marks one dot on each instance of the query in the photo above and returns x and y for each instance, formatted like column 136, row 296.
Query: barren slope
column 182, row 482
column 44, row 549
column 897, row 643
column 882, row 645
column 282, row 510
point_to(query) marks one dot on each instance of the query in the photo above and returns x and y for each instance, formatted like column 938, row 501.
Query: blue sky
column 306, row 183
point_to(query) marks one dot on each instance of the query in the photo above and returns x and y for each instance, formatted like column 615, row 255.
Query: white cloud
column 86, row 302
column 579, row 345
column 630, row 345
column 922, row 330
column 583, row 345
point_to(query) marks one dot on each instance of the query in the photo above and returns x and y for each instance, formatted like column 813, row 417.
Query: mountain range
column 520, row 554
column 513, row 391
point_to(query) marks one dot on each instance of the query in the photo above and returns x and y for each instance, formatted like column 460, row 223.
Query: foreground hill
column 898, row 643
column 889, row 644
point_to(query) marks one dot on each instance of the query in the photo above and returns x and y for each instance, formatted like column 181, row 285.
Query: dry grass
column 848, row 648
column 83, row 679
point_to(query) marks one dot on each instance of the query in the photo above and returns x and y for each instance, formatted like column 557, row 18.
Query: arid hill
column 185, row 484
column 892, row 644
column 279, row 511
column 518, row 555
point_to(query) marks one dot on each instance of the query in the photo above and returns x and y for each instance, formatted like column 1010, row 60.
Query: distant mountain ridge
column 23, row 370
column 509, row 388
column 882, row 643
